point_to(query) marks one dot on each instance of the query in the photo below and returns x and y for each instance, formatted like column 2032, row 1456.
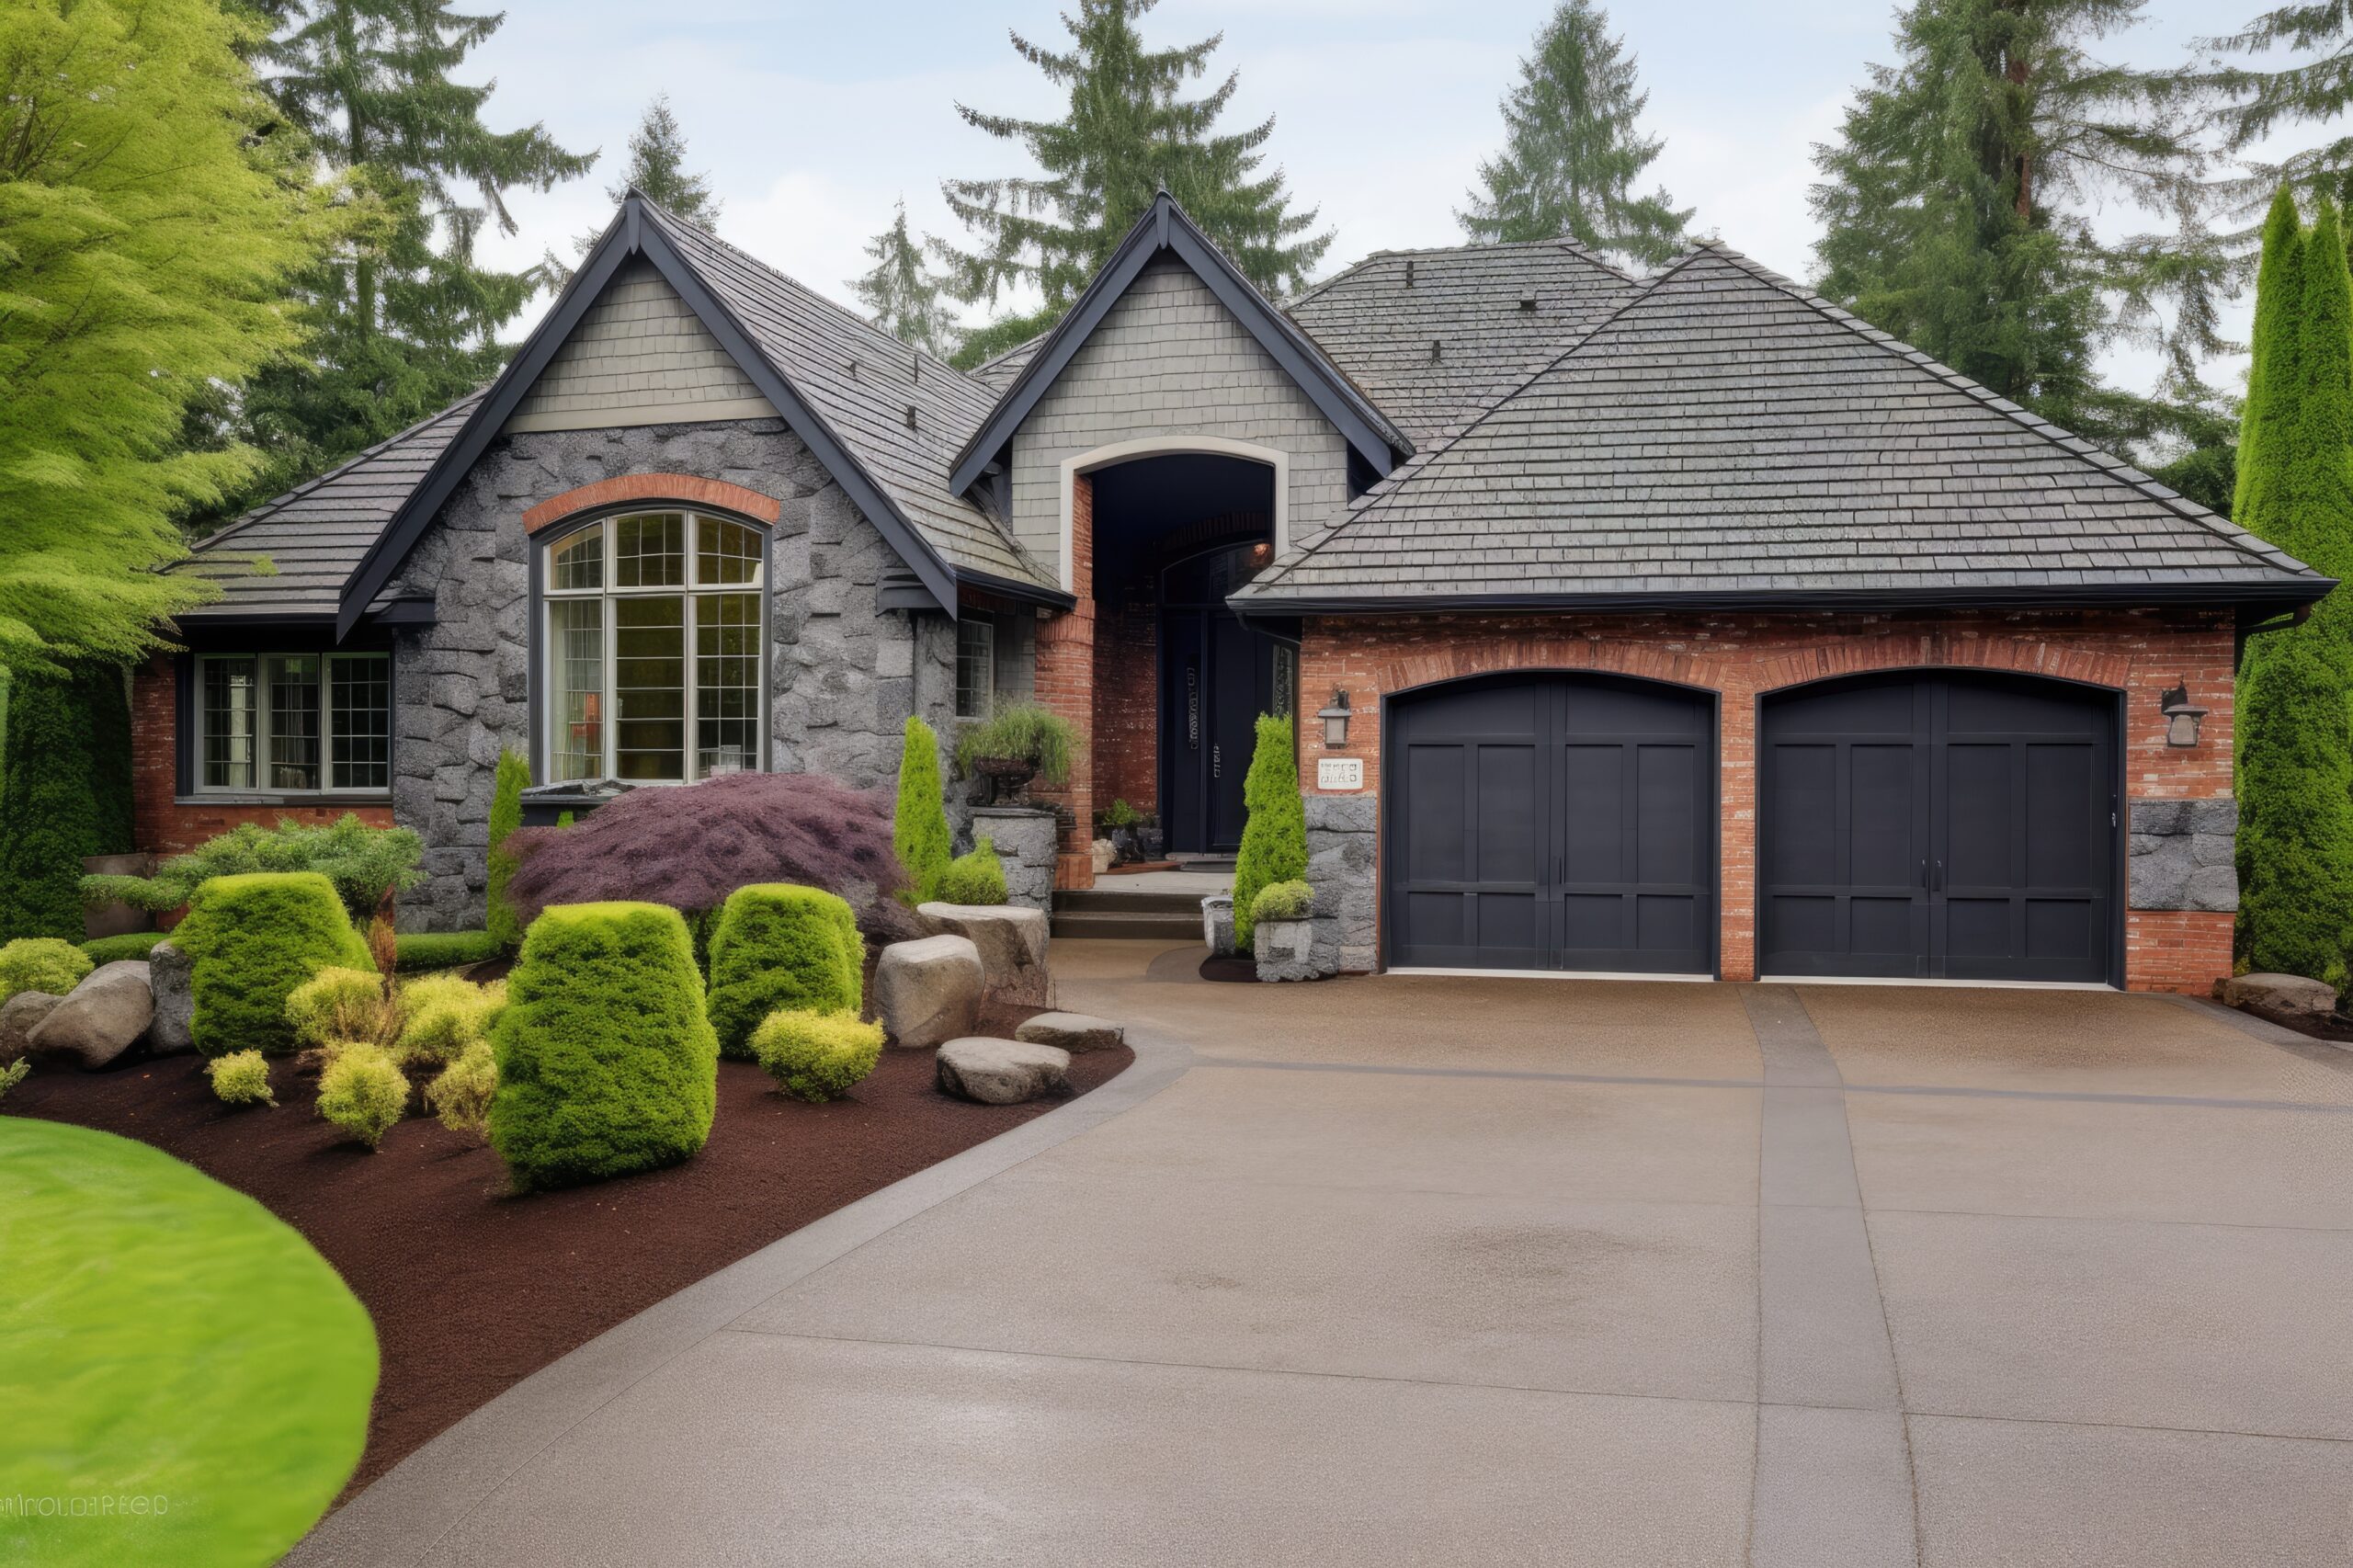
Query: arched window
column 651, row 645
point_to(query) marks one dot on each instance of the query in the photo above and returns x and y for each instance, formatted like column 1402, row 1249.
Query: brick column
column 1065, row 683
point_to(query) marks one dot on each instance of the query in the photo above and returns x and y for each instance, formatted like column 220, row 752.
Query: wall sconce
column 2182, row 720
column 1335, row 720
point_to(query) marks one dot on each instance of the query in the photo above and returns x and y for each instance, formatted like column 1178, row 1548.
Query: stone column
column 1024, row 840
column 1341, row 869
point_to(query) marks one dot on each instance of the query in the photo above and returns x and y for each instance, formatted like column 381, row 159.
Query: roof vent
column 1437, row 348
column 1528, row 301
column 1409, row 272
column 910, row 416
column 853, row 370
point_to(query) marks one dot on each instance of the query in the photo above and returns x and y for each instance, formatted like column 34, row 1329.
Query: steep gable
column 638, row 356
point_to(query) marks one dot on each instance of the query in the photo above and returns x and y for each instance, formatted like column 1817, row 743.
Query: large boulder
column 170, row 976
column 100, row 1018
column 1000, row 1072
column 928, row 991
column 20, row 1015
column 1073, row 1032
column 2289, row 998
column 1012, row 943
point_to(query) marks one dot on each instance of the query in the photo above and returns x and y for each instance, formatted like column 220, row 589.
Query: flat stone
column 1072, row 1033
column 1000, row 1072
column 100, row 1018
column 1012, row 943
column 928, row 991
column 20, row 1015
column 170, row 976
column 2287, row 998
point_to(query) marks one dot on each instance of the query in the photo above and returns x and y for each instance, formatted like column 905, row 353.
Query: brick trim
column 652, row 487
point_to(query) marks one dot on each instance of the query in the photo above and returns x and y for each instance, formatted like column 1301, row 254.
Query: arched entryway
column 1939, row 825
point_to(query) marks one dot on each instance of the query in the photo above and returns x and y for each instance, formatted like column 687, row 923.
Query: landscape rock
column 928, row 991
column 1104, row 855
column 1000, row 1072
column 20, row 1015
column 1073, row 1032
column 170, row 977
column 1012, row 943
column 2289, row 998
column 100, row 1018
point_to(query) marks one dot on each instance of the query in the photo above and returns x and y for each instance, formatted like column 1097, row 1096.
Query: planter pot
column 1217, row 923
column 1150, row 842
column 1008, row 778
column 1285, row 948
column 1126, row 844
column 112, row 919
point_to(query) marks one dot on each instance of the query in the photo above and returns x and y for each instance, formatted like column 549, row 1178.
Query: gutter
column 2288, row 594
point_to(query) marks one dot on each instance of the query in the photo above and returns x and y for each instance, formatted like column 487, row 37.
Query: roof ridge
column 279, row 502
column 1576, row 247
column 2093, row 456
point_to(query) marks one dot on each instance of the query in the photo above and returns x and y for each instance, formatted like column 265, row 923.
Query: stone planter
column 1008, row 779
column 1024, row 837
column 1285, row 948
column 1217, row 924
column 111, row 919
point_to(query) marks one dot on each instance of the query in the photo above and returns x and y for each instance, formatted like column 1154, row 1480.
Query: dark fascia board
column 1016, row 589
column 2283, row 594
column 1165, row 226
column 632, row 233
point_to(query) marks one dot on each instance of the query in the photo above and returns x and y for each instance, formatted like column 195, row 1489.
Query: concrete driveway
column 1442, row 1271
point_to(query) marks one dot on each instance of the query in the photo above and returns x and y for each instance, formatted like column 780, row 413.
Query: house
column 1678, row 625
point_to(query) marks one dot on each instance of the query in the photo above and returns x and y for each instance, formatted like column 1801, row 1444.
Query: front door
column 1218, row 672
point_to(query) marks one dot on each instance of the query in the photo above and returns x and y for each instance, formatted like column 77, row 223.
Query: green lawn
column 182, row 1379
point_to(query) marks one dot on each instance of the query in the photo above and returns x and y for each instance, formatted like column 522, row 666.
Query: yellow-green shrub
column 241, row 1077
column 337, row 1003
column 781, row 945
column 253, row 938
column 363, row 1091
column 441, row 1016
column 461, row 1097
column 816, row 1056
column 47, row 964
column 13, row 1074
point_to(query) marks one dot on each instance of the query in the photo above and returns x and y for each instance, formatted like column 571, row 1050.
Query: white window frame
column 259, row 663
column 693, row 590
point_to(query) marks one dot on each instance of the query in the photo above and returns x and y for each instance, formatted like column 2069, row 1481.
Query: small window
column 975, row 666
column 1286, row 680
column 295, row 723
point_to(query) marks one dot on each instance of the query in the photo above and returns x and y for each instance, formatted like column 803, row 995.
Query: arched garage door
column 1551, row 821
column 1950, row 826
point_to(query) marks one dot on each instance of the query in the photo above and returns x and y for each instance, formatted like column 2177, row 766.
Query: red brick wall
column 1065, row 683
column 1127, row 702
column 1743, row 657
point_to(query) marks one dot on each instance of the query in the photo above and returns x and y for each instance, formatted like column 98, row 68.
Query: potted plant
column 1020, row 741
column 1283, row 933
column 1151, row 842
column 1121, row 821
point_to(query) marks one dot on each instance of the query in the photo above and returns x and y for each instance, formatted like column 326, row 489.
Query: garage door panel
column 1593, row 922
column 1885, row 927
column 1441, row 796
column 2060, row 830
column 1980, row 848
column 1505, row 830
column 1593, row 812
column 1805, row 848
column 1667, row 795
column 1884, row 847
column 1666, row 922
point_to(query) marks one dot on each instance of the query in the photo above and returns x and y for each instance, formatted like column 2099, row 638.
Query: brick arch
column 1462, row 660
column 1864, row 655
column 621, row 488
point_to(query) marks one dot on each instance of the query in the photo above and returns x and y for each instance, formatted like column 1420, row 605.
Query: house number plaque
column 1339, row 773
column 1192, row 708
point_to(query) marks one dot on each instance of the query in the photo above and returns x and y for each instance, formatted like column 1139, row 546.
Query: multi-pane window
column 652, row 649
column 975, row 666
column 294, row 723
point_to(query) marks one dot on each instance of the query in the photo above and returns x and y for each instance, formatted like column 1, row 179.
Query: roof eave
column 2262, row 594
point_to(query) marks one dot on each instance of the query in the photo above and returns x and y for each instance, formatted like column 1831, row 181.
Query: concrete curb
column 2327, row 1052
column 407, row 1512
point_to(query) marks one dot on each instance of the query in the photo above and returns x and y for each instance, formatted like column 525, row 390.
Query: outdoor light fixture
column 2182, row 720
column 1335, row 720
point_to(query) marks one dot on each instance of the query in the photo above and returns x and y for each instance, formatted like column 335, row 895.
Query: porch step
column 1102, row 899
column 1129, row 925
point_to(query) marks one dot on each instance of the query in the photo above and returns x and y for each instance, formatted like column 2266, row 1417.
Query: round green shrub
column 337, row 1003
column 816, row 1056
column 441, row 1016
column 976, row 877
column 252, row 939
column 129, row 945
column 364, row 1092
column 461, row 1096
column 606, row 1062
column 48, row 964
column 241, row 1077
column 1283, row 901
column 781, row 945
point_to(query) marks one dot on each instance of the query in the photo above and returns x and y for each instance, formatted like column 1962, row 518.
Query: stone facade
column 1342, row 865
column 2182, row 854
column 1024, row 841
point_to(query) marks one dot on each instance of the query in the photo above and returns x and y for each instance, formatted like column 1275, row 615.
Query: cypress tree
column 505, row 815
column 1274, row 835
column 919, row 827
column 65, row 794
column 2295, row 846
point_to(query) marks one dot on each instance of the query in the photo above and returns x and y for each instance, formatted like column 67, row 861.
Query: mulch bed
column 473, row 1290
column 2336, row 1029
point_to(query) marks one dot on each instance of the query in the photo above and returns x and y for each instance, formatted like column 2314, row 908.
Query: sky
column 813, row 119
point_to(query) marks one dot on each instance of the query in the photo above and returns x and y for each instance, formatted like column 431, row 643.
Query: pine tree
column 919, row 827
column 1571, row 153
column 1274, row 833
column 902, row 293
column 65, row 794
column 2295, row 846
column 1953, row 208
column 149, row 217
column 657, row 171
column 1126, row 134
column 2314, row 86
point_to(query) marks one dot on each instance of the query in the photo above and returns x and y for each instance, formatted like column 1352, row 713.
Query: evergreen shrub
column 129, row 945
column 364, row 1092
column 778, row 945
column 816, row 1056
column 42, row 963
column 1274, row 835
column 919, row 825
column 505, row 816
column 241, row 1077
column 252, row 939
column 65, row 794
column 976, row 877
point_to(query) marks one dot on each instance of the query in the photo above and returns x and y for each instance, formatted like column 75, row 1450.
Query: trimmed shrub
column 442, row 1017
column 13, row 1074
column 337, row 1003
column 1029, row 731
column 364, row 1092
column 919, row 827
column 64, row 793
column 816, row 1056
column 253, row 939
column 777, row 945
column 241, row 1077
column 42, row 963
column 1274, row 837
column 976, row 877
column 606, row 1063
column 362, row 862
column 505, row 816
column 129, row 945
column 1283, row 901
column 461, row 1097
column 420, row 950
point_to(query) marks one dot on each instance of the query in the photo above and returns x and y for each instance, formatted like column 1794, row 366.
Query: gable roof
column 1727, row 439
column 1165, row 227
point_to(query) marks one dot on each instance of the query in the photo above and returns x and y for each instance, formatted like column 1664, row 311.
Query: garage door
column 1551, row 821
column 1950, row 826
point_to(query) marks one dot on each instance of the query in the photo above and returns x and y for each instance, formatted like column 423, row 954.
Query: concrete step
column 1127, row 926
column 1106, row 897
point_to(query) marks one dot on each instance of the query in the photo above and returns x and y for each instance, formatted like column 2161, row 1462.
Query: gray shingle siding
column 639, row 356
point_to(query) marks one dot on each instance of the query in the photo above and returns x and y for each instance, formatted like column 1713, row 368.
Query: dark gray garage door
column 1551, row 821
column 1950, row 826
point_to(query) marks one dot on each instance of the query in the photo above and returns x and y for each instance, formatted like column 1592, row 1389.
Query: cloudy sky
column 814, row 119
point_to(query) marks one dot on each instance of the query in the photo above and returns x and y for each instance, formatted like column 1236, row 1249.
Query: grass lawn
column 184, row 1380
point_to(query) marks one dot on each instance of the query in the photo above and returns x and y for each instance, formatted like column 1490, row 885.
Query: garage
column 1939, row 826
column 1551, row 821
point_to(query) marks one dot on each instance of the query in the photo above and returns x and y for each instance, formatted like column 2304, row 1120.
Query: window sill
column 252, row 798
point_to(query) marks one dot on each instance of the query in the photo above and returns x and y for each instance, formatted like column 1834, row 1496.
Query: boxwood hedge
column 252, row 939
column 781, row 945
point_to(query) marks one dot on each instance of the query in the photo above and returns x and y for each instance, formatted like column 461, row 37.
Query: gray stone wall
column 1024, row 841
column 2182, row 854
column 843, row 674
column 1340, row 861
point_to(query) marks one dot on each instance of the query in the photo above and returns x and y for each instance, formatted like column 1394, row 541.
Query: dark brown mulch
column 1215, row 968
column 473, row 1290
column 2337, row 1028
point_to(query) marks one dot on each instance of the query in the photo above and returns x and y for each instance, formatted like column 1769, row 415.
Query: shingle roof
column 1435, row 336
column 315, row 534
column 1004, row 369
column 1725, row 436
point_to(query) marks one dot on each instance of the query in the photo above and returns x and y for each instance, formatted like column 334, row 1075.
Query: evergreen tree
column 149, row 220
column 1571, row 153
column 919, row 827
column 1953, row 208
column 657, row 171
column 1274, row 833
column 513, row 777
column 902, row 293
column 1126, row 134
column 65, row 794
column 2312, row 86
column 2295, row 846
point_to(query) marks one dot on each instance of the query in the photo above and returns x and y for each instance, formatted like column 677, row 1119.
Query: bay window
column 294, row 723
column 651, row 648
